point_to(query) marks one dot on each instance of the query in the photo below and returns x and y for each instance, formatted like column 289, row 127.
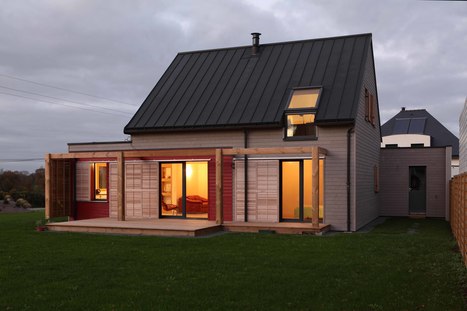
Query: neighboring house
column 418, row 128
column 463, row 140
column 418, row 157
column 268, row 133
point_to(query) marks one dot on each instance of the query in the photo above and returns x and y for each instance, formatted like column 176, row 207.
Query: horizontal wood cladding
column 83, row 181
column 194, row 139
column 141, row 189
column 263, row 191
column 463, row 140
column 86, row 147
column 366, row 153
column 394, row 180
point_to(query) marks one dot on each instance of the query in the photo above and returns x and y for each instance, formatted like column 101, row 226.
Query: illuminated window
column 100, row 181
column 300, row 114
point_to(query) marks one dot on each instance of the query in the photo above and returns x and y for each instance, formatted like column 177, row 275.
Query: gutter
column 349, row 136
column 245, row 186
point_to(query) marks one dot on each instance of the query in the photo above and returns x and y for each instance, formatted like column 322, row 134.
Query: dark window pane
column 301, row 125
column 417, row 126
column 401, row 126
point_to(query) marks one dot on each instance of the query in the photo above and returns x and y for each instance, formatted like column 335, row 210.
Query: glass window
column 304, row 98
column 401, row 126
column 301, row 125
column 301, row 113
column 417, row 126
column 100, row 181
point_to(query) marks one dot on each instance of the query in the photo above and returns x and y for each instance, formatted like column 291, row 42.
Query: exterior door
column 417, row 189
column 184, row 190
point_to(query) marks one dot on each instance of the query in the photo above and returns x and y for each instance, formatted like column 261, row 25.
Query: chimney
column 255, row 46
column 403, row 108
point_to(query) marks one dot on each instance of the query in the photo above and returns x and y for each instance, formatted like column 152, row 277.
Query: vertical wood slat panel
column 458, row 209
column 263, row 191
column 141, row 189
column 83, row 181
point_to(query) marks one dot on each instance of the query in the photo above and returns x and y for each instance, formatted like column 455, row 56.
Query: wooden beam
column 315, row 187
column 279, row 150
column 135, row 153
column 77, row 155
column 120, row 187
column 219, row 207
column 48, row 188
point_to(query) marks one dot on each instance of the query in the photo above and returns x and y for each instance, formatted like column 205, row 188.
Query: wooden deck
column 180, row 227
column 159, row 227
column 281, row 227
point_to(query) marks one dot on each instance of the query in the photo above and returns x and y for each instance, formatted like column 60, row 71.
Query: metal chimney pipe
column 255, row 45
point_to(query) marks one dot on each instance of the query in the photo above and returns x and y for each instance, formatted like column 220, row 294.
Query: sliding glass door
column 184, row 189
column 296, row 190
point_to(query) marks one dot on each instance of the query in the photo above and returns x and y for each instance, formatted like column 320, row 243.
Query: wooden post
column 219, row 207
column 121, row 186
column 48, row 194
column 315, row 186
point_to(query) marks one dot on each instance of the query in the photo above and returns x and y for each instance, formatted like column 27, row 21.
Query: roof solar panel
column 417, row 126
column 401, row 126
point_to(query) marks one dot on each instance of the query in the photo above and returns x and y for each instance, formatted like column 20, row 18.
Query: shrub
column 7, row 199
column 23, row 203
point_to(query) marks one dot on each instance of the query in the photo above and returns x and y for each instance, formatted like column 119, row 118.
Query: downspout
column 245, row 145
column 349, row 136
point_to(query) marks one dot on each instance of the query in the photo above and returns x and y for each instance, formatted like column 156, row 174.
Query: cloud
column 119, row 50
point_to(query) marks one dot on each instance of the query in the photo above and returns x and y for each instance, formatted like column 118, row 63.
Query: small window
column 100, row 181
column 418, row 145
column 300, row 114
column 370, row 108
column 393, row 146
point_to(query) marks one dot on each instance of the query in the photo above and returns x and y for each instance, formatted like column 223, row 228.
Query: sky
column 77, row 70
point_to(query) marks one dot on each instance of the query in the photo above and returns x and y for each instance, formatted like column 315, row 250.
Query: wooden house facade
column 280, row 133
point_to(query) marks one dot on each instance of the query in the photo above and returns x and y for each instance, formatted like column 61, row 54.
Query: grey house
column 274, row 134
column 418, row 157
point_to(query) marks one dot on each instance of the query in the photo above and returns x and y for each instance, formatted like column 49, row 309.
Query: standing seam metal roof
column 440, row 135
column 231, row 88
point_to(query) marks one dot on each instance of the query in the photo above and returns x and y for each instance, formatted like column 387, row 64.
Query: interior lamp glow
column 189, row 170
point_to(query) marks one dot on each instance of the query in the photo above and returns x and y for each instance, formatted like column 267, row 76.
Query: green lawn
column 401, row 265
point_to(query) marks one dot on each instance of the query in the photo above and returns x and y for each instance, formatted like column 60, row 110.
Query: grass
column 401, row 265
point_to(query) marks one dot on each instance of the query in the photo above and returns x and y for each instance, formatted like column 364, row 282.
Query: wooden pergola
column 58, row 174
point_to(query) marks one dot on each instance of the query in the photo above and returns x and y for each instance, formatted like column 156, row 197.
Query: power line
column 61, row 104
column 64, row 89
column 58, row 98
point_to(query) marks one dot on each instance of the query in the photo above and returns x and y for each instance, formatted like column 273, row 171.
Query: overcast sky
column 117, row 50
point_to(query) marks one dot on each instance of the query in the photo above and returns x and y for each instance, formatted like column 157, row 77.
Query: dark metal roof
column 232, row 88
column 421, row 122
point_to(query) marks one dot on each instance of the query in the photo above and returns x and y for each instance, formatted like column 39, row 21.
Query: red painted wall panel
column 88, row 210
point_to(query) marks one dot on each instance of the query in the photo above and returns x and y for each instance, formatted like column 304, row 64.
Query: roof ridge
column 277, row 43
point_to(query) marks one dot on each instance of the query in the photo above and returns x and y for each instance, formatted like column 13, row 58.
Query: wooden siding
column 84, row 147
column 83, row 181
column 463, row 140
column 193, row 139
column 141, row 189
column 113, row 195
column 263, row 191
column 366, row 154
column 458, row 211
column 395, row 180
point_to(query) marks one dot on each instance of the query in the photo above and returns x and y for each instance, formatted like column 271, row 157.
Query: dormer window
column 300, row 114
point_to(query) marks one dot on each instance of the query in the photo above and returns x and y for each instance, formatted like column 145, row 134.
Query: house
column 463, row 140
column 418, row 157
column 266, row 135
column 418, row 128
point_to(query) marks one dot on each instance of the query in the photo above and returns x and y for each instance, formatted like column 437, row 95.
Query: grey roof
column 421, row 122
column 232, row 88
